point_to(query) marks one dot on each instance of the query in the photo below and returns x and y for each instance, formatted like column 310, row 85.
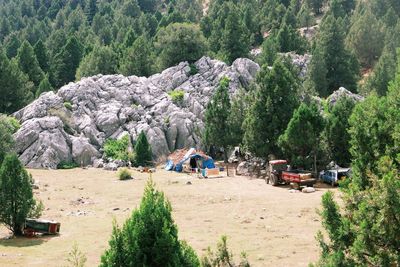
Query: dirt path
column 274, row 227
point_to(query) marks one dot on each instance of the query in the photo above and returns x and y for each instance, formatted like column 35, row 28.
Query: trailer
column 37, row 226
column 280, row 173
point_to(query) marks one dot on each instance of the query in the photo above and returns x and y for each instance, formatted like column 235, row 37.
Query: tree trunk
column 225, row 155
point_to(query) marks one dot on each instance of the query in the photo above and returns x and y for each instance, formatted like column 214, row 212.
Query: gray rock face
column 112, row 105
column 343, row 92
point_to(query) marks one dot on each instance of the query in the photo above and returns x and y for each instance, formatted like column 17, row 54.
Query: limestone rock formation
column 74, row 123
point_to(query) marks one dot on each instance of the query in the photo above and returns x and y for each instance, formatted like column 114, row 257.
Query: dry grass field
column 273, row 226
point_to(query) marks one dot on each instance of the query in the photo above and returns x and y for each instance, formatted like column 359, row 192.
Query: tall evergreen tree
column 316, row 80
column 143, row 152
column 217, row 130
column 137, row 59
column 15, row 87
column 336, row 129
column 302, row 136
column 29, row 64
column 316, row 5
column 235, row 39
column 42, row 55
column 16, row 197
column 274, row 102
column 66, row 62
column 44, row 86
column 12, row 44
column 102, row 60
column 7, row 129
column 341, row 66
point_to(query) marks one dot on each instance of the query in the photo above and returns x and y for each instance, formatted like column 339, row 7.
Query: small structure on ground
column 194, row 160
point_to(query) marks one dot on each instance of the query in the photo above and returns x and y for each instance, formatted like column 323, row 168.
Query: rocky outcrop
column 74, row 123
column 343, row 92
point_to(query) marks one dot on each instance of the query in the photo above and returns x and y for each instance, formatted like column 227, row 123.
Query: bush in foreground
column 124, row 174
column 149, row 237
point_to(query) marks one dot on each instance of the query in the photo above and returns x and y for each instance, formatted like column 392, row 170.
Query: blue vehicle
column 333, row 177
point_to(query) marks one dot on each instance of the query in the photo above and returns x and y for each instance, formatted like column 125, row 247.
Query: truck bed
column 299, row 177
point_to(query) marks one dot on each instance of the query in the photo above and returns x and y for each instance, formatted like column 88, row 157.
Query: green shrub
column 223, row 257
column 124, row 174
column 118, row 149
column 144, row 156
column 149, row 237
column 177, row 96
column 193, row 69
column 66, row 165
column 68, row 105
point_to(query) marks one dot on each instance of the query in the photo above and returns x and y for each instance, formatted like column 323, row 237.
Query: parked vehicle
column 333, row 177
column 37, row 226
column 279, row 173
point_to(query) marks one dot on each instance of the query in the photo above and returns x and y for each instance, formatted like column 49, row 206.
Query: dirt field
column 273, row 226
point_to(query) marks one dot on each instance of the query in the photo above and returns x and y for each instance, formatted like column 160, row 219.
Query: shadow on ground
column 20, row 242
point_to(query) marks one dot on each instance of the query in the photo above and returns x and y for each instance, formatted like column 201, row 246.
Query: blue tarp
column 208, row 162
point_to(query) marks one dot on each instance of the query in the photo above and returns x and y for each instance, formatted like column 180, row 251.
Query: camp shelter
column 195, row 158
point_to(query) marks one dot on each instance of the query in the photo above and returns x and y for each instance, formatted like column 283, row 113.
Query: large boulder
column 74, row 123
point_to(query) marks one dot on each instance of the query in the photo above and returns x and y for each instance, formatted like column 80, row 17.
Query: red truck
column 279, row 173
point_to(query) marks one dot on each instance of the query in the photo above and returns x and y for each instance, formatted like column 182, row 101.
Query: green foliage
column 366, row 37
column 302, row 136
column 117, row 149
column 68, row 105
column 102, row 60
column 289, row 39
column 8, row 126
column 222, row 257
column 193, row 69
column 274, row 101
column 67, row 165
column 76, row 258
column 217, row 129
column 16, row 197
column 269, row 52
column 138, row 58
column 316, row 5
column 124, row 174
column 29, row 64
column 44, row 86
column 66, row 62
column 177, row 96
column 337, row 126
column 14, row 85
column 143, row 152
column 341, row 66
column 149, row 237
column 179, row 42
column 42, row 56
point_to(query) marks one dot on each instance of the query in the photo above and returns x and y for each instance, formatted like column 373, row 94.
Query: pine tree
column 7, row 129
column 143, row 152
column 42, row 55
column 14, row 86
column 66, row 62
column 304, row 16
column 235, row 38
column 217, row 130
column 342, row 67
column 316, row 5
column 29, row 64
column 366, row 37
column 90, row 9
column 16, row 198
column 269, row 51
column 149, row 237
column 12, row 44
column 102, row 60
column 302, row 136
column 289, row 39
column 44, row 86
column 273, row 106
column 316, row 80
column 336, row 130
column 179, row 42
column 137, row 59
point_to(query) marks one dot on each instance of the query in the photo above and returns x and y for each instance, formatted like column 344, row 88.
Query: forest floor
column 273, row 226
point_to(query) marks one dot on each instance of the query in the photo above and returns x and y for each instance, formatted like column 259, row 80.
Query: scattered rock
column 188, row 182
column 110, row 166
column 115, row 209
column 308, row 190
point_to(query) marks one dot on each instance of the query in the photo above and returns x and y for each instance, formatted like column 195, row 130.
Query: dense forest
column 47, row 44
